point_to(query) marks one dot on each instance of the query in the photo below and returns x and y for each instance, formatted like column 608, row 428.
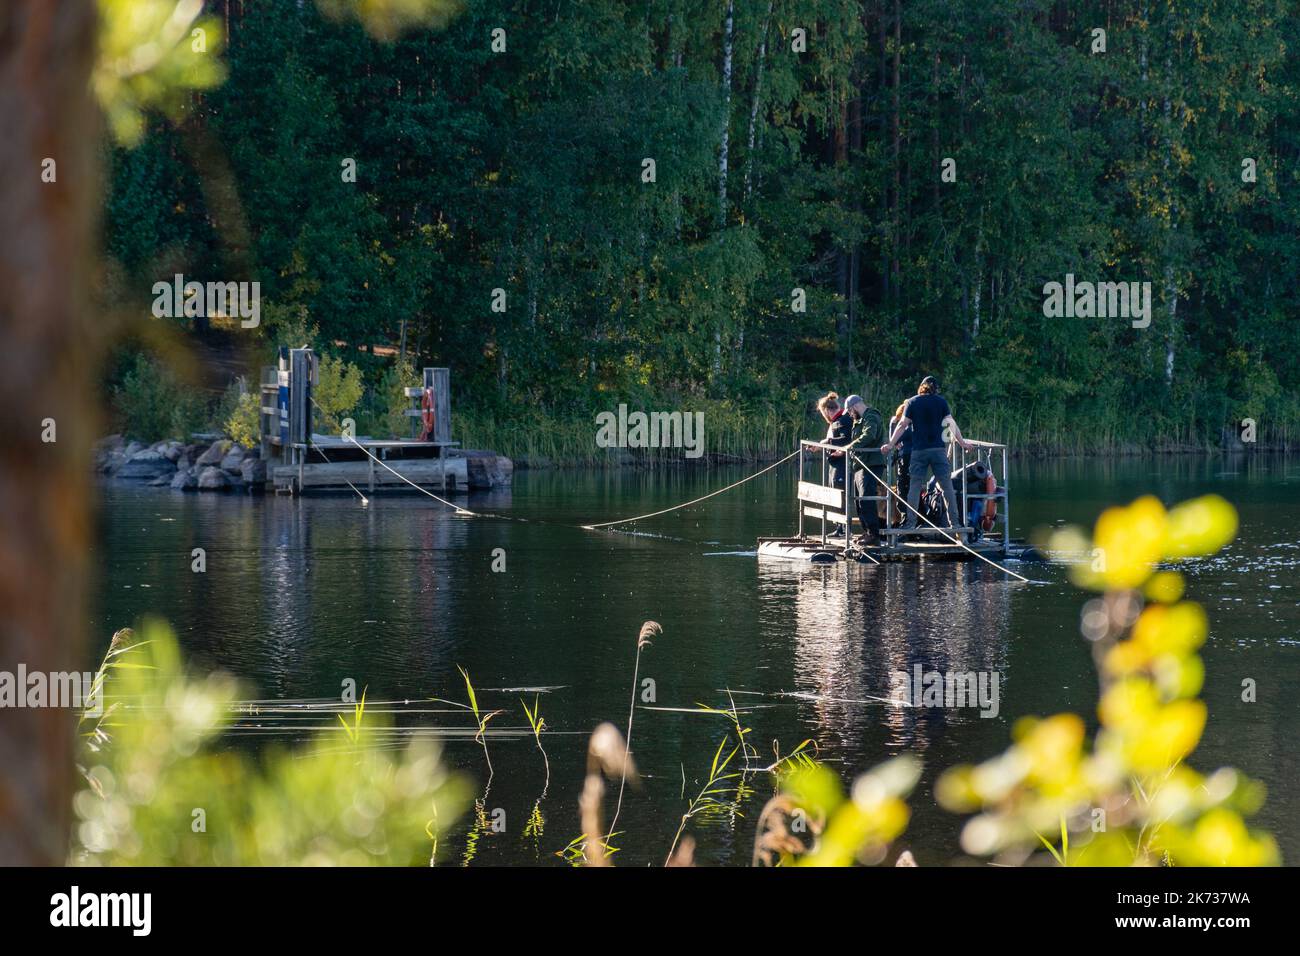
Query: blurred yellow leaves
column 1129, row 541
column 388, row 19
column 152, row 53
column 1130, row 799
column 858, row 828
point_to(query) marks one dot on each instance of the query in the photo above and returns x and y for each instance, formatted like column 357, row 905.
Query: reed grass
column 537, row 724
column 648, row 630
column 353, row 730
column 766, row 431
column 708, row 799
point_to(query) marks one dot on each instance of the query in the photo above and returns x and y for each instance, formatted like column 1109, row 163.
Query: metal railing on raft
column 826, row 494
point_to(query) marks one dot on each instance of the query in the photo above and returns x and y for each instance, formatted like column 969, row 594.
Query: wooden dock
column 301, row 460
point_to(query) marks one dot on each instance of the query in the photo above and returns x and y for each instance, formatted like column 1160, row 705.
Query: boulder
column 110, row 461
column 216, row 451
column 171, row 450
column 487, row 469
column 233, row 459
column 253, row 471
column 146, row 466
column 185, row 480
column 212, row 478
column 133, row 448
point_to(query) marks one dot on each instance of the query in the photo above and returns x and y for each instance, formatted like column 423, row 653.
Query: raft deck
column 833, row 507
column 811, row 548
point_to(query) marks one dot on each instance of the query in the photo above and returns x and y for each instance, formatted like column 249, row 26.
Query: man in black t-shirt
column 928, row 414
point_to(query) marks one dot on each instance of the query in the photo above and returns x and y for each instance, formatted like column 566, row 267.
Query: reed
column 763, row 431
column 353, row 730
column 709, row 798
column 648, row 630
column 537, row 724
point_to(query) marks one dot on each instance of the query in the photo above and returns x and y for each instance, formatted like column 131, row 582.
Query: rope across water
column 695, row 501
column 686, row 504
column 955, row 541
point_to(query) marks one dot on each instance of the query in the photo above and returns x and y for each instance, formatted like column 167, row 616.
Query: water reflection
column 855, row 627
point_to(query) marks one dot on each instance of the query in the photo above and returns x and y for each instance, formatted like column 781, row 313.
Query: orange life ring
column 426, row 414
column 990, row 504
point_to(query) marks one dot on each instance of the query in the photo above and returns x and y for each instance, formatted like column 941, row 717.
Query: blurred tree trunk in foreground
column 48, row 363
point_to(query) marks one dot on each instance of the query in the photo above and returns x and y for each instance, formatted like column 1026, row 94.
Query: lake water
column 301, row 594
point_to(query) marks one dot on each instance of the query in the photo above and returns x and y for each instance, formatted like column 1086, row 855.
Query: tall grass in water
column 536, row 824
column 708, row 799
column 763, row 431
column 481, row 824
column 648, row 630
column 730, row 434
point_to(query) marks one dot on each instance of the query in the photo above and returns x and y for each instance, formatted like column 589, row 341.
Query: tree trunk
column 753, row 106
column 48, row 364
column 896, row 135
column 726, row 117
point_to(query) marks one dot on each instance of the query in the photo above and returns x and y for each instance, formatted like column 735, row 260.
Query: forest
column 732, row 207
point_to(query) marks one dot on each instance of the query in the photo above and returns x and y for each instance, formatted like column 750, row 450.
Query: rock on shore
column 204, row 466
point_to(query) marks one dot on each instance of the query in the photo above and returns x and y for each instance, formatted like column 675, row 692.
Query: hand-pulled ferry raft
column 827, row 510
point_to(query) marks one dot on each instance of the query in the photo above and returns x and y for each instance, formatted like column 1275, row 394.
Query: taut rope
column 955, row 541
column 655, row 514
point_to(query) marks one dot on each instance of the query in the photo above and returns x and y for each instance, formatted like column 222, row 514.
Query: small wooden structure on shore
column 301, row 460
column 834, row 509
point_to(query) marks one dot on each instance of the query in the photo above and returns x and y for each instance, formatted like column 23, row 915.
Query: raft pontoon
column 829, row 536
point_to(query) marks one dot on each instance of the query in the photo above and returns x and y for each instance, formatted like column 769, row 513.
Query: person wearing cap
column 868, row 429
column 928, row 414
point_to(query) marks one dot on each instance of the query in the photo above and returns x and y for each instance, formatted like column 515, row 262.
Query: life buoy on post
column 990, row 504
column 427, row 414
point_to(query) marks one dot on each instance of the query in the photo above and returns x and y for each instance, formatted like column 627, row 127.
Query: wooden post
column 439, row 379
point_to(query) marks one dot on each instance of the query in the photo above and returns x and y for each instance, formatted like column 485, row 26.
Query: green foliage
column 155, row 758
column 392, row 393
column 619, row 289
column 151, row 403
column 339, row 389
column 243, row 424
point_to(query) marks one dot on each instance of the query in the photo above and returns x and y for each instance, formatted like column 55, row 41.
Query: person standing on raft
column 868, row 429
column 929, row 415
column 839, row 431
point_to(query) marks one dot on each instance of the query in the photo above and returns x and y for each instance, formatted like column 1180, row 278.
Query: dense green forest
column 844, row 194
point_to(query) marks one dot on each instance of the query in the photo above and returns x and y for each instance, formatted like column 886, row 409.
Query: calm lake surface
column 300, row 594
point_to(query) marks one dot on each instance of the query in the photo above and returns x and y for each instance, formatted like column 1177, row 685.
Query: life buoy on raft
column 426, row 414
column 990, row 504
